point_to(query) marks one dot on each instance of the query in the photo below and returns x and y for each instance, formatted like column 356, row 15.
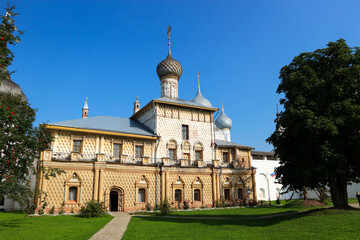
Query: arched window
column 172, row 146
column 197, row 195
column 178, row 195
column 198, row 148
column 142, row 190
column 239, row 193
column 73, row 189
column 227, row 195
column 141, row 195
column 73, row 194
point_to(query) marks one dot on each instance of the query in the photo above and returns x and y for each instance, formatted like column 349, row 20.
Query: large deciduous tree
column 9, row 35
column 319, row 139
column 20, row 146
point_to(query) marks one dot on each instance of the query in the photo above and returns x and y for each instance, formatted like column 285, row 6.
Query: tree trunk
column 338, row 190
column 305, row 193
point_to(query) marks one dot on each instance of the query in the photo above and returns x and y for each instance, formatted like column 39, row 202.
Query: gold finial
column 222, row 105
column 168, row 33
column 86, row 99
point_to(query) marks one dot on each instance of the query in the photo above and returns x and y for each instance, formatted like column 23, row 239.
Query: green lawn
column 14, row 225
column 238, row 212
column 316, row 224
column 292, row 206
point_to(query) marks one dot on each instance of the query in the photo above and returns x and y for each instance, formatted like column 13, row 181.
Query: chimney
column 85, row 110
column 136, row 105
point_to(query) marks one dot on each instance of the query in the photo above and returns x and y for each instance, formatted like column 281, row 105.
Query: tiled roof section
column 182, row 101
column 223, row 143
column 108, row 124
column 259, row 153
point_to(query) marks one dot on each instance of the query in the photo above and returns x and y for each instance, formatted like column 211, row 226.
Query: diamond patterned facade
column 169, row 146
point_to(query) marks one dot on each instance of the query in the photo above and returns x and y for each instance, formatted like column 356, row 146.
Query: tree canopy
column 20, row 146
column 9, row 35
column 319, row 141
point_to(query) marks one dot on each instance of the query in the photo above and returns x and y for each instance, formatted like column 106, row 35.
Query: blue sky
column 108, row 51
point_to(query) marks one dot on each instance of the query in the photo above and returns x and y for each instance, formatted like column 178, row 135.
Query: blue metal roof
column 108, row 124
column 182, row 101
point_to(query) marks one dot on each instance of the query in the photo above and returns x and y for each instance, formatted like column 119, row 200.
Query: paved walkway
column 115, row 229
column 355, row 205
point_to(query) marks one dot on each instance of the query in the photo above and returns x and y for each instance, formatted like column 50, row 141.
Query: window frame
column 180, row 196
column 170, row 150
column 229, row 194
column 199, row 195
column 227, row 157
column 120, row 149
column 144, row 196
column 142, row 151
column 200, row 153
column 185, row 137
column 80, row 147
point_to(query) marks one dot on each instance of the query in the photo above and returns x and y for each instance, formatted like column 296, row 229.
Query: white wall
column 267, row 167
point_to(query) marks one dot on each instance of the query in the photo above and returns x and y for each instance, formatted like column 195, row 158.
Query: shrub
column 165, row 207
column 148, row 206
column 253, row 203
column 156, row 207
column 61, row 210
column 41, row 212
column 52, row 210
column 72, row 210
column 93, row 209
column 186, row 204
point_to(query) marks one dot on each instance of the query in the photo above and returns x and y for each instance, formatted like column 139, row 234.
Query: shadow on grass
column 245, row 222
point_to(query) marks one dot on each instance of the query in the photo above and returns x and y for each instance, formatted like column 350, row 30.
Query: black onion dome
column 8, row 86
column 169, row 67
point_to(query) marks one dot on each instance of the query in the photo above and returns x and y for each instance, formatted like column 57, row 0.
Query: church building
column 170, row 148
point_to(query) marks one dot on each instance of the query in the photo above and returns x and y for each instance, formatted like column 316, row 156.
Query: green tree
column 20, row 146
column 319, row 139
column 9, row 35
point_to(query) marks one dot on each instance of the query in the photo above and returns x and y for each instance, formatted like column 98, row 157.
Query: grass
column 291, row 206
column 15, row 225
column 315, row 224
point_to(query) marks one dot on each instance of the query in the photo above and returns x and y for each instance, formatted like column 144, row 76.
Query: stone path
column 354, row 205
column 115, row 229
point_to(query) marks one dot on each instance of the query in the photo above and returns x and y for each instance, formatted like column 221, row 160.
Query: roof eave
column 97, row 131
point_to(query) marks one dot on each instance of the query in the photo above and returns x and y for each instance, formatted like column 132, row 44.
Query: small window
column 141, row 195
column 73, row 194
column 239, row 193
column 178, row 195
column 225, row 157
column 138, row 151
column 185, row 132
column 227, row 194
column 77, row 146
column 172, row 154
column 198, row 155
column 197, row 195
column 117, row 150
column 2, row 200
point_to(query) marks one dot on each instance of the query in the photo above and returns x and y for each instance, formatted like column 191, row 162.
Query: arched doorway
column 116, row 198
column 114, row 201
